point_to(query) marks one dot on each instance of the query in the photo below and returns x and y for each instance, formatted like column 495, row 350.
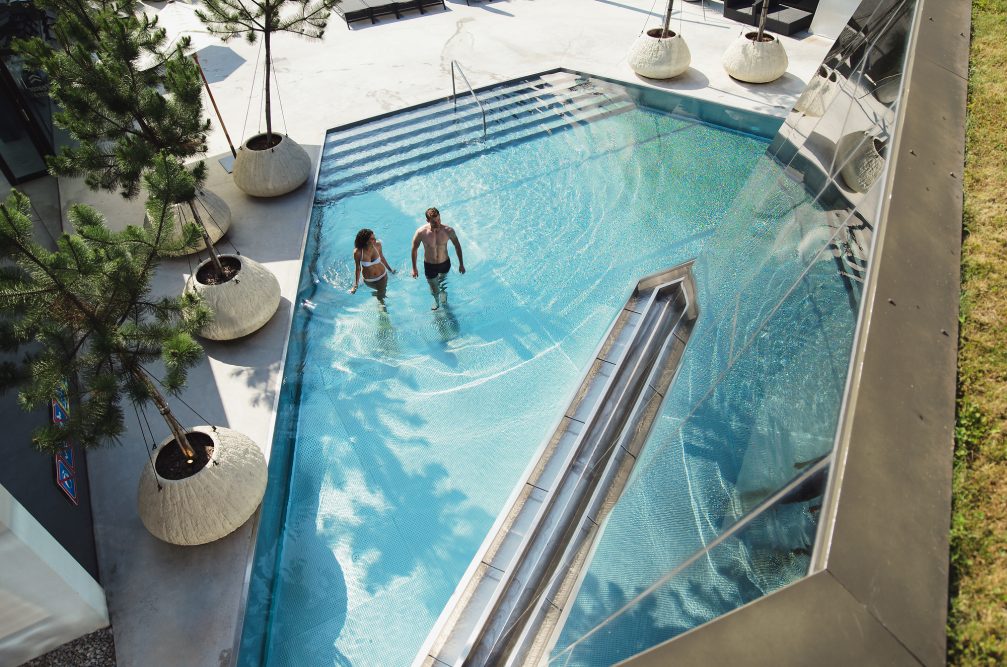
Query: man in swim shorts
column 435, row 236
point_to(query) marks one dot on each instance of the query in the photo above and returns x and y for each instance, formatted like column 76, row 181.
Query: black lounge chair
column 358, row 10
column 354, row 10
column 785, row 16
column 421, row 4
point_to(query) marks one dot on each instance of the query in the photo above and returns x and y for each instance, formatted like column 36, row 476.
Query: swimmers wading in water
column 370, row 264
column 436, row 264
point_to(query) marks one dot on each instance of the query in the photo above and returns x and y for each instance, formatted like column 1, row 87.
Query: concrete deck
column 180, row 606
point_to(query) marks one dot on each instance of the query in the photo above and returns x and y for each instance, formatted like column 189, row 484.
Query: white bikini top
column 375, row 262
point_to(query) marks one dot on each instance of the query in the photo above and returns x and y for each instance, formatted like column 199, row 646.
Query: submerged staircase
column 361, row 156
column 508, row 608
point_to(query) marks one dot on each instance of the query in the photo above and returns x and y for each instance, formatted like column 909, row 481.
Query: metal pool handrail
column 454, row 93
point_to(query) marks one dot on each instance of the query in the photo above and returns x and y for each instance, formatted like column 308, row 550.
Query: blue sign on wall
column 66, row 471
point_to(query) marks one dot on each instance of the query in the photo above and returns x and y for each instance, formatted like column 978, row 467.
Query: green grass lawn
column 977, row 624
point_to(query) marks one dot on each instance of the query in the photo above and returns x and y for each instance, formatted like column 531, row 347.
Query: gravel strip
column 94, row 650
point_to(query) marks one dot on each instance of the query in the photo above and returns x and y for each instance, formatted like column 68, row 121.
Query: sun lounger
column 359, row 10
column 785, row 16
column 354, row 10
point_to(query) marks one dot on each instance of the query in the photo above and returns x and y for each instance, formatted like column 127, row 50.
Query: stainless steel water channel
column 508, row 608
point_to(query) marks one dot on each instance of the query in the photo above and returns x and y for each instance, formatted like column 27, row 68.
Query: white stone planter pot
column 755, row 62
column 210, row 504
column 657, row 57
column 271, row 172
column 861, row 160
column 816, row 97
column 241, row 305
column 213, row 210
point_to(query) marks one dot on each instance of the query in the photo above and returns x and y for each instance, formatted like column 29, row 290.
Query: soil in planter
column 171, row 462
column 659, row 33
column 207, row 274
column 259, row 142
column 766, row 37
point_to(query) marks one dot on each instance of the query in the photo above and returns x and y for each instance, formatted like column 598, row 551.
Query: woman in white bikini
column 370, row 263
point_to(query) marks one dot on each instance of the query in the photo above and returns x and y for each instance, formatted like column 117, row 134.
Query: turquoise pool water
column 402, row 431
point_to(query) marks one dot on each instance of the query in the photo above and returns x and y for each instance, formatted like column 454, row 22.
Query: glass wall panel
column 764, row 551
column 757, row 400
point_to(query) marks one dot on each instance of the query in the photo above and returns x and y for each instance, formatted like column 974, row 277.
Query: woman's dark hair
column 363, row 236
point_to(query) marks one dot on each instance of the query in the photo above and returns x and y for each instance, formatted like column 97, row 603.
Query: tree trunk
column 162, row 406
column 762, row 20
column 214, row 257
column 269, row 67
column 667, row 18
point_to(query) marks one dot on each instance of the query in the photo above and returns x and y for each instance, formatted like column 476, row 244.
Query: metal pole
column 206, row 84
column 454, row 94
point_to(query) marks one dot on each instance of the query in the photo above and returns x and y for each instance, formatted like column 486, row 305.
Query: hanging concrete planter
column 755, row 62
column 263, row 171
column 216, row 216
column 862, row 160
column 657, row 57
column 213, row 502
column 816, row 97
column 242, row 304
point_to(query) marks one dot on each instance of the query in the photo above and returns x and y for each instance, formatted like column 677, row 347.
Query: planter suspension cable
column 251, row 90
column 649, row 14
column 279, row 98
column 183, row 402
column 153, row 443
column 205, row 236
column 209, row 215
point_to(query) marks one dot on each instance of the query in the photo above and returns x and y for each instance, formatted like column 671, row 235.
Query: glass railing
column 768, row 548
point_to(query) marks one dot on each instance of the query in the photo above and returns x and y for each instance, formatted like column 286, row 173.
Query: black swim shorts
column 433, row 270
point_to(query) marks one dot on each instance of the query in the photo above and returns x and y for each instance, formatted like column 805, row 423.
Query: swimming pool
column 401, row 431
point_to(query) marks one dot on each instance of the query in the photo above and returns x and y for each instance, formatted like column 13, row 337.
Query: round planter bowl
column 270, row 172
column 657, row 57
column 216, row 217
column 211, row 504
column 816, row 97
column 755, row 62
column 241, row 305
column 862, row 163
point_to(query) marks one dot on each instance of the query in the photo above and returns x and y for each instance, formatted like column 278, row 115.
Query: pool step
column 445, row 114
column 508, row 607
column 407, row 162
column 364, row 156
column 451, row 128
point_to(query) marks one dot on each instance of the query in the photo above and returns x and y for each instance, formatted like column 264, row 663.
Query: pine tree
column 248, row 18
column 85, row 315
column 124, row 96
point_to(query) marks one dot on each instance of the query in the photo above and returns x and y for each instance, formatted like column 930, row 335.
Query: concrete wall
column 30, row 478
